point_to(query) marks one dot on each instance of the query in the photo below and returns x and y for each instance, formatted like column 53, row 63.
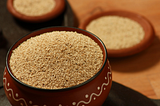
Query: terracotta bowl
column 148, row 38
column 58, row 9
column 92, row 92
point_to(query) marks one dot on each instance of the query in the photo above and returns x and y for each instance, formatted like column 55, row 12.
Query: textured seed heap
column 34, row 7
column 56, row 60
column 117, row 32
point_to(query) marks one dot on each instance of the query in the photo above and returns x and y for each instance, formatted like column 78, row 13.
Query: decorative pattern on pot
column 108, row 77
column 15, row 96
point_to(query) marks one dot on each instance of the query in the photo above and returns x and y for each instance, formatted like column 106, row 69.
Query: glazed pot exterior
column 93, row 92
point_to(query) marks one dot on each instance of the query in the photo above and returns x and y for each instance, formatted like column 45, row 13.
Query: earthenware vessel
column 145, row 23
column 92, row 92
column 57, row 10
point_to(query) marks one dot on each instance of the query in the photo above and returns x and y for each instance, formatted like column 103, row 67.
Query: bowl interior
column 57, row 10
column 92, row 36
column 146, row 25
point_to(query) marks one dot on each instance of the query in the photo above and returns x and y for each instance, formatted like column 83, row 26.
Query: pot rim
column 140, row 19
column 56, row 11
column 63, row 89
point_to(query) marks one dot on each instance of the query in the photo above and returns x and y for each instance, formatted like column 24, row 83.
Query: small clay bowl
column 92, row 92
column 147, row 27
column 57, row 10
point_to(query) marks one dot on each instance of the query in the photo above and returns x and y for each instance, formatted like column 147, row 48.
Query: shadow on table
column 123, row 96
column 140, row 61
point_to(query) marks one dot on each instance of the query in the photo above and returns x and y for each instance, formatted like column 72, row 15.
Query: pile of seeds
column 34, row 7
column 56, row 60
column 117, row 32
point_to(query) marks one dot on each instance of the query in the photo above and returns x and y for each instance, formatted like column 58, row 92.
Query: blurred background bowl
column 146, row 25
column 57, row 10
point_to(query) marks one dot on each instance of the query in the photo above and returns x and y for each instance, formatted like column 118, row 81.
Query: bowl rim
column 68, row 29
column 145, row 42
column 57, row 10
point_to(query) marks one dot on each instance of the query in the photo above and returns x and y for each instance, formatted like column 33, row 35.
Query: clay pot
column 57, row 10
column 146, row 25
column 92, row 92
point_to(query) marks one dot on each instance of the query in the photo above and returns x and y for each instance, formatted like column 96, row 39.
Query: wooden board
column 140, row 72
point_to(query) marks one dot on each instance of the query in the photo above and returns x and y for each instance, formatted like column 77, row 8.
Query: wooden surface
column 140, row 72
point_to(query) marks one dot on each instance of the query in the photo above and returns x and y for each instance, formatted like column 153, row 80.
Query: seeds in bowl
column 117, row 32
column 55, row 60
column 34, row 7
